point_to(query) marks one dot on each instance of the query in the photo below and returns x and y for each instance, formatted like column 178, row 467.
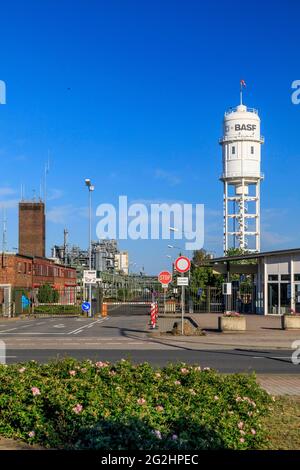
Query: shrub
column 84, row 405
column 46, row 294
column 58, row 309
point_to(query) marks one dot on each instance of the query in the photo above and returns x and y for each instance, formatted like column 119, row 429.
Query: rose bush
column 74, row 404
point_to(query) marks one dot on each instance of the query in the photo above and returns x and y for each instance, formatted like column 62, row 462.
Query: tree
column 201, row 272
column 47, row 295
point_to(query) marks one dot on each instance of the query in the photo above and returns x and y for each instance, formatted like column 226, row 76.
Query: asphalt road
column 229, row 361
column 123, row 334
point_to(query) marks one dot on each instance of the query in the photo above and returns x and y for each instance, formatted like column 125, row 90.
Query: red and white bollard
column 153, row 314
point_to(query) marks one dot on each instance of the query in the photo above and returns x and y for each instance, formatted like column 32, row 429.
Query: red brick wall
column 16, row 270
column 32, row 228
column 21, row 271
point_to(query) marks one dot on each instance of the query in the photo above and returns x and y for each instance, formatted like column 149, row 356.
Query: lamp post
column 91, row 188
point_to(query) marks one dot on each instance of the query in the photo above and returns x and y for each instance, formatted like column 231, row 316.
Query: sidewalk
column 280, row 384
column 263, row 332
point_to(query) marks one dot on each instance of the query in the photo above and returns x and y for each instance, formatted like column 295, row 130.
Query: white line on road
column 33, row 333
column 11, row 329
column 78, row 330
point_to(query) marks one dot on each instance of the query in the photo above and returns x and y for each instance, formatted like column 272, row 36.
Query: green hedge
column 57, row 309
column 83, row 405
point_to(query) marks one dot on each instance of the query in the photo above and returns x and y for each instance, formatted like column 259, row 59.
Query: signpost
column 182, row 281
column 86, row 306
column 89, row 277
column 226, row 291
column 200, row 292
column 182, row 265
column 165, row 278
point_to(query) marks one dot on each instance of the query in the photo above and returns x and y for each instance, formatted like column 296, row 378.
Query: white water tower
column 241, row 151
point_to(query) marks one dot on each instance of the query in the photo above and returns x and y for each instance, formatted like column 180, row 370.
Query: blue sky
column 132, row 94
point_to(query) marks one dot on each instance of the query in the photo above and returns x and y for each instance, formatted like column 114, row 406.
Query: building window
column 233, row 150
column 273, row 277
column 252, row 150
column 285, row 277
column 297, row 277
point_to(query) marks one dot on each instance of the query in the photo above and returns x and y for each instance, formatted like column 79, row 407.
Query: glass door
column 273, row 291
column 285, row 298
column 297, row 297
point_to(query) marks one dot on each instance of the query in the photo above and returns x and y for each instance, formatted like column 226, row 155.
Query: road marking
column 78, row 330
column 41, row 323
column 33, row 333
column 60, row 325
column 11, row 329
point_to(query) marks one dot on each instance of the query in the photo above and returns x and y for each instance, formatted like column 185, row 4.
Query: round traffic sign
column 85, row 306
column 165, row 278
column 182, row 264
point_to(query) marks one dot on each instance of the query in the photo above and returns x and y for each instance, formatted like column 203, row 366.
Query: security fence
column 22, row 300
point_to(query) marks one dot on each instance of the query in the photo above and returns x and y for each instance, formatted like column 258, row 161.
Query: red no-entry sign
column 182, row 264
column 165, row 278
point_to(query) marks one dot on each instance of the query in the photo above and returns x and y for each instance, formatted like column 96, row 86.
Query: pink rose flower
column 242, row 440
column 184, row 370
column 159, row 408
column 141, row 401
column 216, row 397
column 177, row 382
column 100, row 364
column 31, row 434
column 253, row 432
column 241, row 425
column 72, row 372
column 77, row 408
column 22, row 369
column 35, row 391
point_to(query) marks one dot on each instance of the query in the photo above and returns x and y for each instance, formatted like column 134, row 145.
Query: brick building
column 20, row 272
column 32, row 228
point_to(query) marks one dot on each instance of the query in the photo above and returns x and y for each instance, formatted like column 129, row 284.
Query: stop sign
column 182, row 264
column 165, row 277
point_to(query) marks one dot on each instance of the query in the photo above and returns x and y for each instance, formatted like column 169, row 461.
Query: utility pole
column 91, row 188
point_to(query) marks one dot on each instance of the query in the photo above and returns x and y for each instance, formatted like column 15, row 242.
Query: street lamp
column 91, row 188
